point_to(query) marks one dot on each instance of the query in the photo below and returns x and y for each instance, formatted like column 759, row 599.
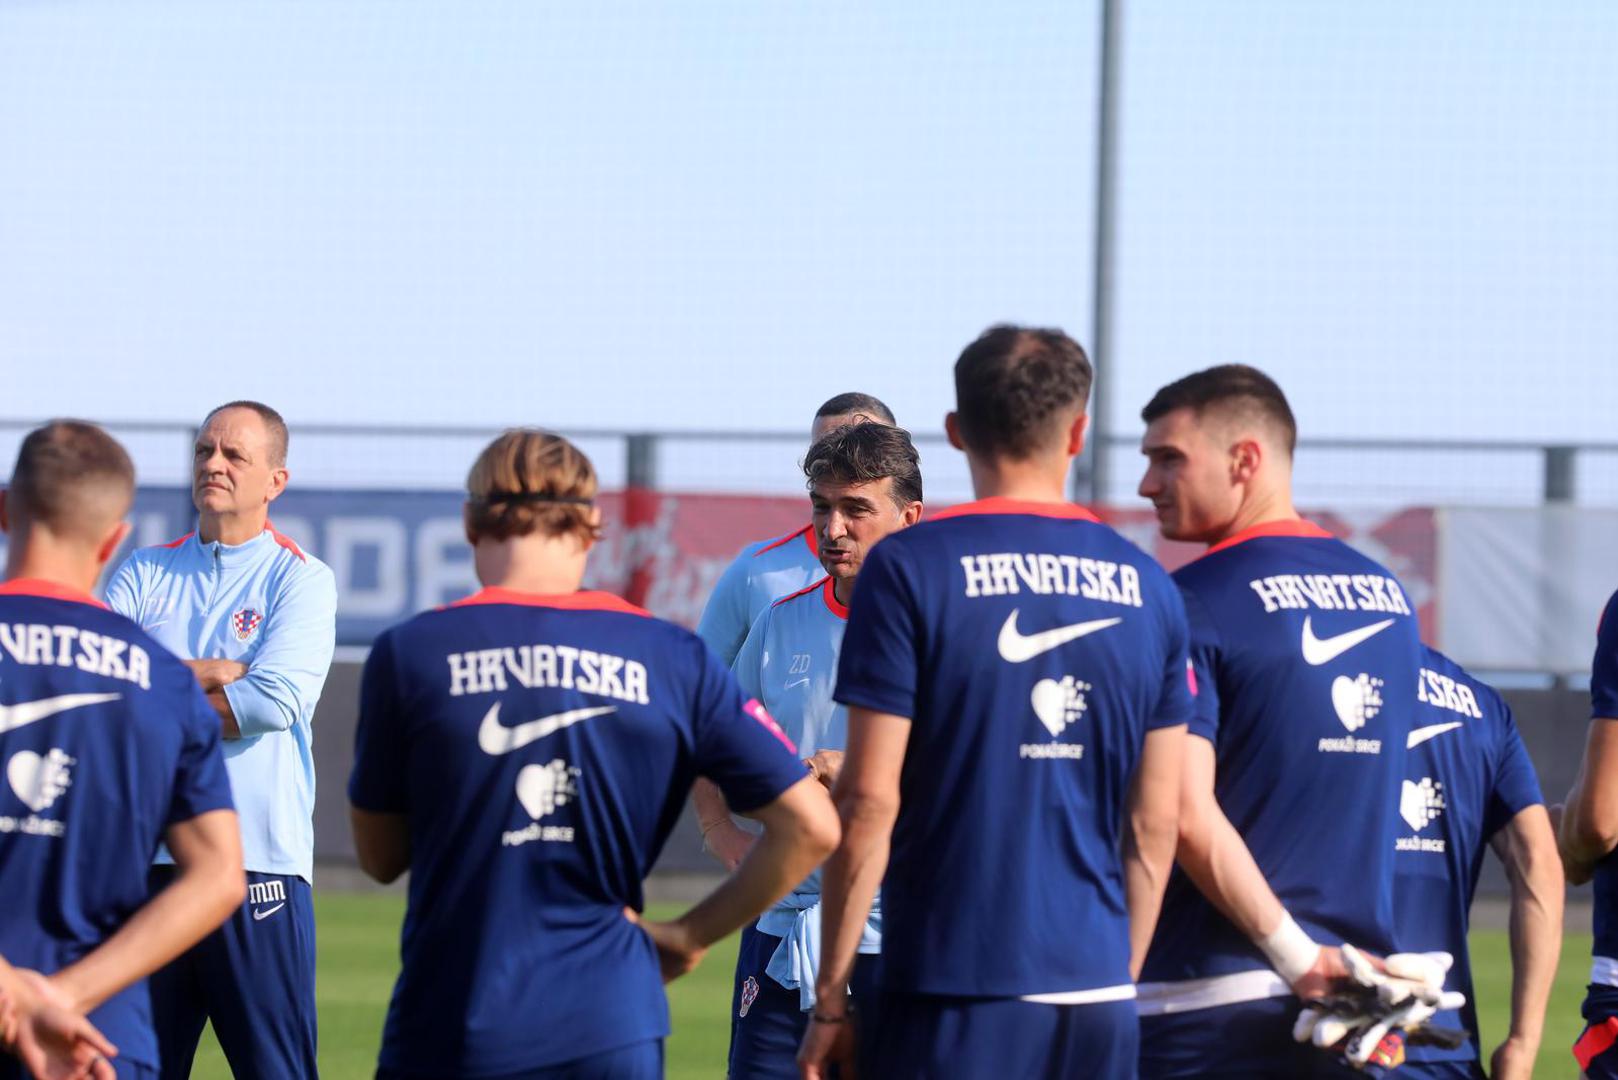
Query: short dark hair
column 1012, row 383
column 276, row 426
column 71, row 476
column 852, row 403
column 1245, row 391
column 861, row 453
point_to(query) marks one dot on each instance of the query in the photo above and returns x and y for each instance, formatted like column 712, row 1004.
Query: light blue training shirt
column 273, row 607
column 761, row 574
column 789, row 663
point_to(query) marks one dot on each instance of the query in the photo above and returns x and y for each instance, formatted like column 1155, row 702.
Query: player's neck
column 1262, row 508
column 547, row 566
column 230, row 529
column 1025, row 481
column 843, row 589
column 77, row 570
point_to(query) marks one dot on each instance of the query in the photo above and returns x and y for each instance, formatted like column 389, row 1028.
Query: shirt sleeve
column 379, row 780
column 1176, row 702
column 880, row 664
column 748, row 667
column 1604, row 671
column 123, row 593
column 284, row 681
column 738, row 745
column 1516, row 785
column 724, row 619
column 201, row 783
column 1202, row 653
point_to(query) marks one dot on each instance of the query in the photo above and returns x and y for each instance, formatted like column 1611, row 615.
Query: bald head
column 72, row 479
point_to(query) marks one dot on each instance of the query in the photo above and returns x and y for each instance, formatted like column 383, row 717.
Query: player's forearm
column 201, row 896
column 1151, row 837
column 1589, row 830
column 848, row 886
column 709, row 803
column 1213, row 854
column 1536, row 880
column 795, row 839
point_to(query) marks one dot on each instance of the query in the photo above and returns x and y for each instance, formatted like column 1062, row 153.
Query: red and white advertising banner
column 665, row 551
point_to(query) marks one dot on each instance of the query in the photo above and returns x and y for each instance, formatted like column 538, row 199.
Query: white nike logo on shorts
column 1016, row 648
column 260, row 915
column 496, row 738
column 1318, row 651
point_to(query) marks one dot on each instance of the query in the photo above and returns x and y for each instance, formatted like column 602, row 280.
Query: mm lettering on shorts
column 485, row 671
column 265, row 892
column 1008, row 574
column 34, row 644
column 1443, row 691
column 1331, row 592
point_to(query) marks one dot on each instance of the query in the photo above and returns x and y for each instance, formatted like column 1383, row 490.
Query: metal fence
column 1329, row 473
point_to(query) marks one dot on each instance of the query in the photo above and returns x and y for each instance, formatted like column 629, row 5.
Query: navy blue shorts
column 1441, row 1070
column 254, row 977
column 922, row 1036
column 766, row 1024
column 1251, row 1040
column 637, row 1061
column 1597, row 1049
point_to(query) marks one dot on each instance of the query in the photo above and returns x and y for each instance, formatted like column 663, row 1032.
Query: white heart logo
column 1050, row 705
column 1419, row 804
column 38, row 781
column 542, row 788
column 1348, row 698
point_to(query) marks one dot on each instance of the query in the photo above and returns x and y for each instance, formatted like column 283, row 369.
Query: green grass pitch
column 359, row 956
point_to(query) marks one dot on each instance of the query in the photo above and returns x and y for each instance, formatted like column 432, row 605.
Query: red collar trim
column 269, row 527
column 1295, row 527
column 808, row 534
column 583, row 600
column 998, row 505
column 838, row 608
column 284, row 541
column 824, row 585
column 51, row 590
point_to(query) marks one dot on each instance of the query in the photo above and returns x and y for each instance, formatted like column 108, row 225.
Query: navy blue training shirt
column 1467, row 776
column 1032, row 648
column 1306, row 655
column 106, row 740
column 542, row 748
column 1604, row 705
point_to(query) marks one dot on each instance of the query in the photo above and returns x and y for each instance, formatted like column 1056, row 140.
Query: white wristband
column 1291, row 952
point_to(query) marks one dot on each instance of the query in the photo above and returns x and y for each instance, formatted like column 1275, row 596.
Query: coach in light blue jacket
column 254, row 617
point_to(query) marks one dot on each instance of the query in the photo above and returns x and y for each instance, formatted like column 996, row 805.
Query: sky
column 713, row 215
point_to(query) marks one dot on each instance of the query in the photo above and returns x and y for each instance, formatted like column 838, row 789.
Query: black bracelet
column 819, row 1019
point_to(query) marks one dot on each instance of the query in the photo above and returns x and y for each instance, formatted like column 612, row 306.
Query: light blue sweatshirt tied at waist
column 796, row 921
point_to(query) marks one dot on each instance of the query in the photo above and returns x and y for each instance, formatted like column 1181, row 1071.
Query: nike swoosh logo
column 1318, row 651
column 796, row 682
column 1431, row 731
column 1017, row 647
column 267, row 912
column 496, row 738
column 27, row 712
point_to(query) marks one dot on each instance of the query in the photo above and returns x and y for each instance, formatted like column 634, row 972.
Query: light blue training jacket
column 789, row 663
column 273, row 607
column 761, row 574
